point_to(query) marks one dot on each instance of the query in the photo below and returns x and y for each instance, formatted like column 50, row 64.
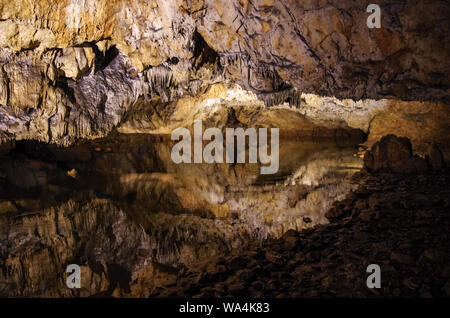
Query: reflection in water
column 132, row 218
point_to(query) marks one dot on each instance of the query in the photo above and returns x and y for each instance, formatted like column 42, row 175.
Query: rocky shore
column 398, row 221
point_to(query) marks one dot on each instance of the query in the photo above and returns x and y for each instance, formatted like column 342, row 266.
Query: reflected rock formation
column 131, row 217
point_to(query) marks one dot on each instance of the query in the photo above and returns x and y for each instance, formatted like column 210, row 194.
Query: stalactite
column 291, row 96
column 162, row 82
column 234, row 59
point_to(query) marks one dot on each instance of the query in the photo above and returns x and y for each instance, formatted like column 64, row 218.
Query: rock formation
column 394, row 154
column 90, row 88
column 77, row 69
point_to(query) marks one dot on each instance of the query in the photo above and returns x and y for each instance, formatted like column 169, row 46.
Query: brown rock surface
column 394, row 154
column 77, row 69
column 435, row 158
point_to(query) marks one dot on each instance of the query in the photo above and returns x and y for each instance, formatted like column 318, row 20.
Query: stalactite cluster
column 161, row 81
column 291, row 96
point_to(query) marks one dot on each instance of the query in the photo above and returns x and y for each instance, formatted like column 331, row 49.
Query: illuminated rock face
column 82, row 69
column 78, row 68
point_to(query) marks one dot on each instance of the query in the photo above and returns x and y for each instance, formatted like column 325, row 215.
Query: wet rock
column 257, row 285
column 360, row 205
column 236, row 288
column 246, row 275
column 435, row 158
column 238, row 262
column 365, row 216
column 291, row 239
column 393, row 154
column 299, row 257
column 390, row 153
column 415, row 165
column 402, row 258
column 272, row 257
column 214, row 269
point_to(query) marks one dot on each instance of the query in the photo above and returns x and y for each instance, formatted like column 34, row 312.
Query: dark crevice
column 173, row 61
column 63, row 84
column 102, row 60
column 203, row 54
column 118, row 277
column 7, row 84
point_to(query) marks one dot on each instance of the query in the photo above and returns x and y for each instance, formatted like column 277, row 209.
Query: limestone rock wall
column 325, row 47
column 73, row 69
